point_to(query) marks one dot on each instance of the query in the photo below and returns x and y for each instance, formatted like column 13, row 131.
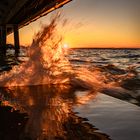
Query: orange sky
column 93, row 24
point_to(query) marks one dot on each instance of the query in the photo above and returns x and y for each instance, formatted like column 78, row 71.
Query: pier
column 15, row 14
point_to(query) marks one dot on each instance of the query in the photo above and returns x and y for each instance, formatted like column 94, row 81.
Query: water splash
column 47, row 62
column 49, row 65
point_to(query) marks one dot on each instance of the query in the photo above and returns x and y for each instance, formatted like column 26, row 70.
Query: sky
column 93, row 24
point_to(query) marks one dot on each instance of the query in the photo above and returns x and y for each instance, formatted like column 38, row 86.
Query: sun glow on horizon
column 66, row 46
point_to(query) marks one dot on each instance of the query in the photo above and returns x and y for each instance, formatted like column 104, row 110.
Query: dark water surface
column 121, row 58
column 58, row 112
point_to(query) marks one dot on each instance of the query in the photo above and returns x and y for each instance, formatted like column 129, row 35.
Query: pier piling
column 3, row 39
column 16, row 39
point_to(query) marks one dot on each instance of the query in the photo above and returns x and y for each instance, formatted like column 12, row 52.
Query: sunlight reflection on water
column 50, row 111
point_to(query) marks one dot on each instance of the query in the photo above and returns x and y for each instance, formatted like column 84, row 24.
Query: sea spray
column 47, row 64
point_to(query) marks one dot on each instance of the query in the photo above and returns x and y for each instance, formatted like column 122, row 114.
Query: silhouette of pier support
column 3, row 34
column 16, row 39
column 3, row 39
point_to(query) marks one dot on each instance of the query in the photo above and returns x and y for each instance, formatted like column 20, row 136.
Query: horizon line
column 104, row 47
